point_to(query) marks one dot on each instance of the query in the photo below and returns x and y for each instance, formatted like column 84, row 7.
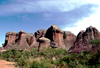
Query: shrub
column 28, row 41
column 52, row 58
column 64, row 36
column 95, row 41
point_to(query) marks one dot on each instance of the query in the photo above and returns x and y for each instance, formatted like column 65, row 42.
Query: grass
column 52, row 58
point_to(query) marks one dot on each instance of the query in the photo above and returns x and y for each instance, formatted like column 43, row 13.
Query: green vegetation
column 52, row 58
column 95, row 41
column 27, row 39
column 64, row 36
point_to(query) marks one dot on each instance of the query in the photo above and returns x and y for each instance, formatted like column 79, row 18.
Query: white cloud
column 93, row 20
column 32, row 6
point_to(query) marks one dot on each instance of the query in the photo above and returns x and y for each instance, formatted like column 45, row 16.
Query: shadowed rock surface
column 40, row 33
column 54, row 45
column 83, row 39
column 30, row 38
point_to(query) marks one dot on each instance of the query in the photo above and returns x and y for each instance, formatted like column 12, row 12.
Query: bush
column 28, row 41
column 52, row 58
column 64, row 36
column 95, row 41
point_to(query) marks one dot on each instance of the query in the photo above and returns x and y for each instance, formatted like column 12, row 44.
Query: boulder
column 83, row 39
column 40, row 33
column 55, row 34
column 54, row 45
column 43, row 42
column 69, row 39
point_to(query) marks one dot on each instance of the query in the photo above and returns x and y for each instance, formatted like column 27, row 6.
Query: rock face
column 69, row 39
column 22, row 39
column 43, row 42
column 1, row 48
column 10, row 38
column 40, row 33
column 30, row 38
column 54, row 45
column 19, row 40
column 54, row 37
column 55, row 34
column 83, row 39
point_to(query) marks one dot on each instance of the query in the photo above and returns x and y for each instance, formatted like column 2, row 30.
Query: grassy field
column 52, row 58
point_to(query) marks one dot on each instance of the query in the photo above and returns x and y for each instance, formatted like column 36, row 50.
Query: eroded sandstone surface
column 53, row 37
column 83, row 39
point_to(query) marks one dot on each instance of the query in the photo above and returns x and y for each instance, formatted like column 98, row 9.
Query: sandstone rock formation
column 43, row 42
column 69, row 39
column 55, row 34
column 1, row 48
column 19, row 40
column 54, row 45
column 83, row 39
column 22, row 39
column 53, row 37
column 10, row 38
column 30, row 38
column 40, row 33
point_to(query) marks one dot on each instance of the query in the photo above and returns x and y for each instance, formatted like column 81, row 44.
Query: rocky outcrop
column 30, row 38
column 69, row 39
column 9, row 46
column 55, row 34
column 40, row 33
column 1, row 48
column 21, row 41
column 13, row 39
column 10, row 38
column 43, row 42
column 53, row 37
column 83, row 39
column 54, row 45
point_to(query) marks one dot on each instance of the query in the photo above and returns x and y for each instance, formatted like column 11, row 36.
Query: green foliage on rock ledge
column 95, row 41
column 27, row 39
column 64, row 36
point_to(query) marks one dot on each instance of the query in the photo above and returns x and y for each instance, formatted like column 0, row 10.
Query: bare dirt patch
column 6, row 64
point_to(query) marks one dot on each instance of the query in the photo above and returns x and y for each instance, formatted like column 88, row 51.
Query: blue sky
column 31, row 15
